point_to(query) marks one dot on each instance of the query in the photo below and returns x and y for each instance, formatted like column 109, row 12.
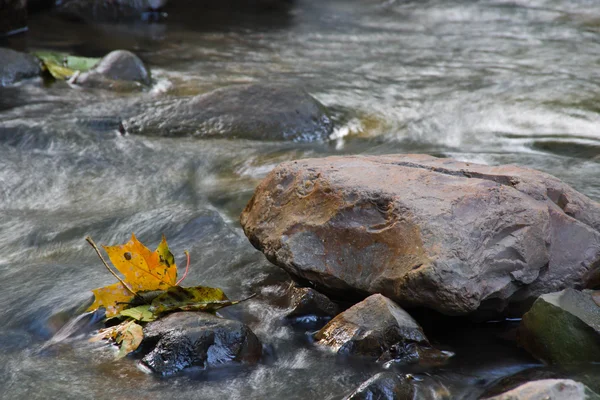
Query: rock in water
column 257, row 111
column 108, row 10
column 115, row 70
column 391, row 386
column 452, row 236
column 307, row 301
column 562, row 328
column 549, row 389
column 378, row 328
column 187, row 339
column 15, row 66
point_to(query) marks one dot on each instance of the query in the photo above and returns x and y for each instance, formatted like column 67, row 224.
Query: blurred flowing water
column 484, row 81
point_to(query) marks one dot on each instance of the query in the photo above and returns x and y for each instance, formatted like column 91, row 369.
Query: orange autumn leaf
column 114, row 298
column 142, row 269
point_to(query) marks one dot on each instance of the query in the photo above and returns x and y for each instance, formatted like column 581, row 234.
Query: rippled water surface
column 485, row 81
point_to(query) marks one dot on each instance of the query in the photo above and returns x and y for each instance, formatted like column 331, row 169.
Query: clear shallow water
column 487, row 81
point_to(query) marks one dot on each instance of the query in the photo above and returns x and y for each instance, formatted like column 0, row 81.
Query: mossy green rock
column 562, row 328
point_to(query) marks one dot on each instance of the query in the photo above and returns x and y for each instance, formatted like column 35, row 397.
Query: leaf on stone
column 129, row 338
column 109, row 333
column 143, row 271
column 139, row 313
column 127, row 335
column 142, row 268
column 114, row 298
column 199, row 298
column 81, row 64
column 62, row 66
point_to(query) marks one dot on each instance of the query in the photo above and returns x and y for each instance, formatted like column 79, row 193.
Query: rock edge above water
column 439, row 233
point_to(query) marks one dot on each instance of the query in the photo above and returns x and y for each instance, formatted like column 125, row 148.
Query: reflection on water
column 484, row 81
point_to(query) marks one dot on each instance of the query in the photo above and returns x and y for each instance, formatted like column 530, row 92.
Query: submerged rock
column 15, row 66
column 117, row 70
column 391, row 386
column 549, row 389
column 257, row 111
column 452, row 236
column 109, row 10
column 562, row 328
column 378, row 328
column 187, row 339
column 307, row 301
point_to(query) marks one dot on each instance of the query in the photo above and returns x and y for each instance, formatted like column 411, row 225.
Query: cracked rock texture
column 452, row 236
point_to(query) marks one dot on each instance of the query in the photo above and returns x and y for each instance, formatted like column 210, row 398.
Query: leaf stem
column 187, row 267
column 91, row 242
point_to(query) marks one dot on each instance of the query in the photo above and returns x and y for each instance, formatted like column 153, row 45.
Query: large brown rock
column 456, row 237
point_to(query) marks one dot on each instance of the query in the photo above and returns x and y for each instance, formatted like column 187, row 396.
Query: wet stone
column 256, row 111
column 391, row 386
column 549, row 389
column 15, row 66
column 189, row 339
column 309, row 302
column 562, row 328
column 109, row 10
column 456, row 237
column 119, row 69
column 377, row 328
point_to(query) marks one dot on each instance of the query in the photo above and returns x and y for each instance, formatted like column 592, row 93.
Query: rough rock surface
column 307, row 301
column 374, row 327
column 187, row 339
column 562, row 328
column 15, row 66
column 453, row 236
column 115, row 70
column 257, row 111
column 549, row 389
column 391, row 386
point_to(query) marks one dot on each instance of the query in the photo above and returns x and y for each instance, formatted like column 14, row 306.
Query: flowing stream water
column 484, row 81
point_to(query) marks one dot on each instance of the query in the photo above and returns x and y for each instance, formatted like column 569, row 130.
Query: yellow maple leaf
column 142, row 269
column 114, row 298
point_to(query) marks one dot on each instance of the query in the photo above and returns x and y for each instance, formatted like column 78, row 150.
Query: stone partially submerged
column 549, row 389
column 119, row 69
column 391, row 386
column 15, row 66
column 108, row 10
column 256, row 111
column 308, row 302
column 453, row 236
column 188, row 339
column 562, row 328
column 378, row 328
